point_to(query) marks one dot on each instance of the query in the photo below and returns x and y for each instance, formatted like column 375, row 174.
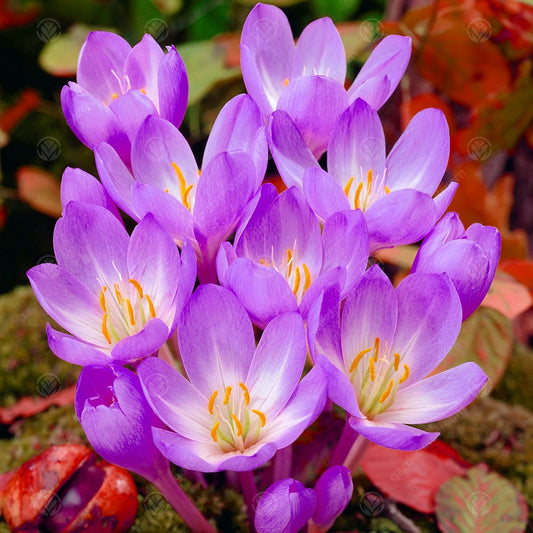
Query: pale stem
column 344, row 445
column 282, row 464
column 249, row 492
column 356, row 453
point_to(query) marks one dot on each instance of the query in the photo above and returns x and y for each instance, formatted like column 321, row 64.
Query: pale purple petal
column 277, row 364
column 489, row 239
column 173, row 87
column 429, row 320
column 327, row 278
column 131, row 110
column 333, row 490
column 225, row 257
column 444, row 198
column 319, row 50
column 142, row 344
column 216, row 351
column 323, row 193
column 267, row 55
column 420, row 156
column 314, row 103
column 374, row 91
column 74, row 350
column 291, row 154
column 436, row 397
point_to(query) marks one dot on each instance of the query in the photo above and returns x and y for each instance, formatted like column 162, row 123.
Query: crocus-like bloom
column 378, row 353
column 241, row 403
column 470, row 258
column 119, row 296
column 307, row 79
column 118, row 420
column 285, row 507
column 118, row 86
column 333, row 490
column 394, row 192
column 280, row 259
column 201, row 206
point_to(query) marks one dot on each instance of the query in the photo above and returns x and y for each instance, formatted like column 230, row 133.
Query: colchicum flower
column 306, row 79
column 119, row 296
column 240, row 404
column 119, row 86
column 280, row 259
column 470, row 258
column 379, row 353
column 204, row 206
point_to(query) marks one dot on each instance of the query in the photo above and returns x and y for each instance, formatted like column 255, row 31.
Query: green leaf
column 339, row 10
column 205, row 62
column 483, row 502
column 485, row 338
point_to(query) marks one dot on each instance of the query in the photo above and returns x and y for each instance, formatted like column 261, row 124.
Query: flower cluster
column 199, row 391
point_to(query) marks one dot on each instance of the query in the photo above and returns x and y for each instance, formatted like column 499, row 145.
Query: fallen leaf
column 508, row 296
column 39, row 189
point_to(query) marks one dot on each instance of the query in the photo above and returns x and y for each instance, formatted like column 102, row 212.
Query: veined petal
column 92, row 244
column 100, row 64
column 291, row 154
column 173, row 87
column 374, row 91
column 444, row 198
column 142, row 344
column 489, row 239
column 225, row 257
column 323, row 193
column 131, row 109
column 314, row 103
column 277, row 364
column 319, row 50
column 357, row 145
column 436, row 397
column 429, row 320
column 395, row 436
column 74, row 350
column 267, row 55
column 420, row 156
column 334, row 490
column 216, row 352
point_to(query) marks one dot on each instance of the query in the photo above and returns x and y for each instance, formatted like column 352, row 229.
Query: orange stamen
column 130, row 312
column 307, row 277
column 150, row 306
column 214, row 432
column 238, row 424
column 226, row 395
column 211, row 403
column 245, row 393
column 405, row 373
column 386, row 392
column 261, row 416
column 358, row 358
column 137, row 285
column 105, row 331
column 348, row 186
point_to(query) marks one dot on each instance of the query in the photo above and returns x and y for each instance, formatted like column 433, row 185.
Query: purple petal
column 142, row 344
column 285, row 507
column 277, row 364
column 333, row 490
column 263, row 291
column 395, row 436
column 219, row 350
column 357, row 145
column 314, row 103
column 429, row 320
column 374, row 91
column 115, row 176
column 436, row 397
column 100, row 64
column 291, row 155
column 327, row 278
column 131, row 110
column 91, row 243
column 267, row 55
column 74, row 350
column 420, row 156
column 389, row 58
column 173, row 87
column 239, row 126
column 370, row 312
column 319, row 50
column 444, row 198
column 225, row 257
column 401, row 217
column 323, row 193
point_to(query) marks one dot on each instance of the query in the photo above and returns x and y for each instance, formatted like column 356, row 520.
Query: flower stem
column 344, row 445
column 356, row 453
column 181, row 503
column 282, row 464
column 249, row 492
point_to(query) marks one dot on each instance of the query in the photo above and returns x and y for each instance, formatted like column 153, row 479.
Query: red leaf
column 412, row 478
column 508, row 296
column 40, row 190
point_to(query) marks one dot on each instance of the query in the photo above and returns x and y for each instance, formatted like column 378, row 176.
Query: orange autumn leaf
column 521, row 270
column 508, row 296
column 422, row 101
column 39, row 189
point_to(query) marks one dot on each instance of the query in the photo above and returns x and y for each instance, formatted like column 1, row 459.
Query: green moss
column 27, row 366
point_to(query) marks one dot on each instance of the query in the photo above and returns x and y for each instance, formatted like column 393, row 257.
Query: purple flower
column 333, row 490
column 307, row 79
column 240, row 403
column 201, row 206
column 118, row 86
column 119, row 296
column 378, row 353
column 285, row 507
column 394, row 192
column 280, row 258
column 118, row 421
column 470, row 258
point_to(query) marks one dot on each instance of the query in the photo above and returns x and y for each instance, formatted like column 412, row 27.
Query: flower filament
column 185, row 189
column 126, row 310
column 366, row 191
column 376, row 380
column 236, row 426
